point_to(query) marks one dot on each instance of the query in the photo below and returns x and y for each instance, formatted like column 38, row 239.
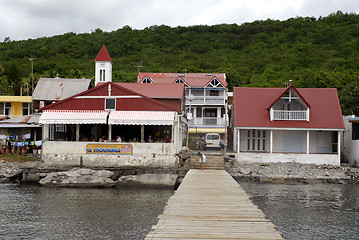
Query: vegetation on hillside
column 312, row 52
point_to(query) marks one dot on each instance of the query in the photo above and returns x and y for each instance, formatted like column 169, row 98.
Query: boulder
column 79, row 177
column 156, row 180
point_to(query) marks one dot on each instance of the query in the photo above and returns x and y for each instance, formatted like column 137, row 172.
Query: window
column 101, row 75
column 60, row 128
column 110, row 104
column 213, row 93
column 2, row 108
column 7, row 109
column 256, row 140
column 146, row 80
column 26, row 109
column 355, row 131
column 179, row 81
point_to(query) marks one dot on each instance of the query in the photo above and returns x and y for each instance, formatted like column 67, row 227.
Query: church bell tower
column 103, row 67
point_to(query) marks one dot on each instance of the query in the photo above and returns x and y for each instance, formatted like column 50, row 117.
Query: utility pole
column 32, row 75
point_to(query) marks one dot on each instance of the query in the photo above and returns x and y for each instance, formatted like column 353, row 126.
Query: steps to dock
column 209, row 204
column 212, row 162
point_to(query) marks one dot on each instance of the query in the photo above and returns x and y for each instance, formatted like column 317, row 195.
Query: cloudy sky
column 23, row 19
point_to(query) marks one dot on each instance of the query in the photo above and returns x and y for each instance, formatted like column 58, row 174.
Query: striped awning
column 73, row 117
column 141, row 118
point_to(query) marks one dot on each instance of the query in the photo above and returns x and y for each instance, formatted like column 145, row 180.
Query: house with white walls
column 287, row 125
column 206, row 98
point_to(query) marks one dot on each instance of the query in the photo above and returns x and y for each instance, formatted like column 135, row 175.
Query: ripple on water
column 56, row 213
column 318, row 211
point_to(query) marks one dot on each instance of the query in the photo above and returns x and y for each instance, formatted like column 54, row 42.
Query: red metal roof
column 250, row 106
column 191, row 79
column 161, row 90
column 103, row 55
column 284, row 92
column 94, row 99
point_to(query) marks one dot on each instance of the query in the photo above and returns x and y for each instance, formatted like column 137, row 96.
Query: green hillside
column 312, row 52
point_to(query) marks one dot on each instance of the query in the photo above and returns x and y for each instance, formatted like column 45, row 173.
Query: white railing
column 302, row 115
column 207, row 121
column 207, row 100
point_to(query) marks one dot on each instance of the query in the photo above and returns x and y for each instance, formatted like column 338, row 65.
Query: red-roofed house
column 207, row 109
column 113, row 111
column 287, row 125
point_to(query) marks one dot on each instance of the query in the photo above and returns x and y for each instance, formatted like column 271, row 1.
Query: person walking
column 201, row 160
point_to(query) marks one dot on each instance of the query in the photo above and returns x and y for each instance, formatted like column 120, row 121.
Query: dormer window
column 290, row 106
column 146, row 80
column 215, row 84
column 179, row 81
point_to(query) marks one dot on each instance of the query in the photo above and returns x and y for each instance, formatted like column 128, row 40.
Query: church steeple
column 103, row 66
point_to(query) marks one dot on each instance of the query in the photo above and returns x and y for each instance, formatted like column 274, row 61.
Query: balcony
column 289, row 115
column 207, row 100
column 207, row 121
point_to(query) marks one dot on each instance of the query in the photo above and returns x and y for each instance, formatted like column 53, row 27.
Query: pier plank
column 209, row 204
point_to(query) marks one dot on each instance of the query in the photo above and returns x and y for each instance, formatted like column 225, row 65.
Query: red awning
column 73, row 117
column 141, row 118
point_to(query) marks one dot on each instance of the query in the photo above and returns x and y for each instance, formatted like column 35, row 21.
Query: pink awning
column 73, row 117
column 141, row 118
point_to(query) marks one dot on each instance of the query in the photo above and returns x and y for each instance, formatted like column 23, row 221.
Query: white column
column 238, row 140
column 307, row 141
column 339, row 136
column 77, row 132
column 142, row 133
column 35, row 134
column 45, row 132
column 109, row 132
column 271, row 142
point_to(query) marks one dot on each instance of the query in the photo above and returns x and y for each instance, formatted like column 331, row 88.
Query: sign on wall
column 109, row 148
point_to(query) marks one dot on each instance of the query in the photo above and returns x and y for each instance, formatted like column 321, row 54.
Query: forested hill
column 312, row 52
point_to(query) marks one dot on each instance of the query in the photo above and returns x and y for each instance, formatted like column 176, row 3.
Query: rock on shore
column 290, row 172
column 79, row 177
column 159, row 180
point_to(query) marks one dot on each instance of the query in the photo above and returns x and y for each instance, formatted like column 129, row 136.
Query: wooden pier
column 210, row 204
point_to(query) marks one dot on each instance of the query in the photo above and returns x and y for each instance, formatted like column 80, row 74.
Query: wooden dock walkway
column 210, row 204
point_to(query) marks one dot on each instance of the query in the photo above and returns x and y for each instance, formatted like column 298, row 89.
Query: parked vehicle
column 213, row 140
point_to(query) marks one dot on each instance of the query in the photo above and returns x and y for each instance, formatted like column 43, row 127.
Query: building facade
column 287, row 125
column 206, row 98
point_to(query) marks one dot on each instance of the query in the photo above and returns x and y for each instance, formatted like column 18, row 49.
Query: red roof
column 191, row 79
column 103, row 55
column 94, row 99
column 250, row 106
column 161, row 90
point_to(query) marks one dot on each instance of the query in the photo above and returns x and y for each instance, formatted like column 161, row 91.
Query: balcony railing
column 207, row 121
column 207, row 100
column 302, row 115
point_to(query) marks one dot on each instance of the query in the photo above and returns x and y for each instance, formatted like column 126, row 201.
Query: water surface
column 32, row 212
column 318, row 211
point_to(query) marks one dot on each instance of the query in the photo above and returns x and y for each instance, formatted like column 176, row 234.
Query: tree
column 14, row 78
column 349, row 98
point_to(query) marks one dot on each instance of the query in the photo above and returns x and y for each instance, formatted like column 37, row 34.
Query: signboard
column 109, row 148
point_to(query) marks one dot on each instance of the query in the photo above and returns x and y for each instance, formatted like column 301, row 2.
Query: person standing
column 201, row 160
column 200, row 143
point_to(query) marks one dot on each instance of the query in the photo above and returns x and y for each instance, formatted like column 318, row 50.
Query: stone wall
column 330, row 159
column 159, row 155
